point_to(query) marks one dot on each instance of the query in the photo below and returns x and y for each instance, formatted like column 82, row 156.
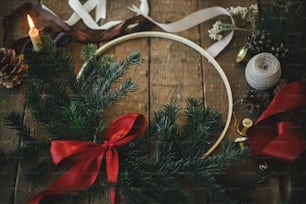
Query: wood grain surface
column 170, row 72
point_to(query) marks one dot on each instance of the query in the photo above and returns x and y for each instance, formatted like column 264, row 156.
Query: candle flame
column 30, row 22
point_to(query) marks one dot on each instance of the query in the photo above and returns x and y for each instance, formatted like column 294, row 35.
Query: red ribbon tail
column 114, row 197
column 112, row 165
column 280, row 140
column 82, row 174
column 112, row 170
column 85, row 158
column 288, row 145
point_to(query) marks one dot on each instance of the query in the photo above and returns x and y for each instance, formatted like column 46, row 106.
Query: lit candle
column 34, row 34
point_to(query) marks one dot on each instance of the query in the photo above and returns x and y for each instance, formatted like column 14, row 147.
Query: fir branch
column 48, row 47
column 14, row 120
column 45, row 91
column 46, row 99
column 89, row 52
column 49, row 63
column 57, row 90
column 156, row 179
column 201, row 127
column 93, row 91
column 164, row 122
column 31, row 154
column 58, row 60
column 30, row 146
column 76, row 122
column 164, row 128
column 134, row 59
column 73, row 109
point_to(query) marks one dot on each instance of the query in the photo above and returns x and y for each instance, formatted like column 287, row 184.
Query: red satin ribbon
column 273, row 138
column 85, row 158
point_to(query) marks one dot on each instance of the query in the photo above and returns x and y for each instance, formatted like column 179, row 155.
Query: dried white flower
column 253, row 9
column 243, row 11
column 249, row 14
column 215, row 33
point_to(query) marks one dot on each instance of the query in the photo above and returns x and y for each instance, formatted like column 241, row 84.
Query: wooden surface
column 170, row 72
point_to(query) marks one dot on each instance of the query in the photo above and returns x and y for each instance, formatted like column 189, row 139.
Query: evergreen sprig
column 32, row 153
column 29, row 144
column 73, row 109
column 177, row 159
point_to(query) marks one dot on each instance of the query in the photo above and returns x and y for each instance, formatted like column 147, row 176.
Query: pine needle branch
column 30, row 146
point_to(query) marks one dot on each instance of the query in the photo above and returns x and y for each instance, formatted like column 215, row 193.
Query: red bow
column 86, row 158
column 282, row 140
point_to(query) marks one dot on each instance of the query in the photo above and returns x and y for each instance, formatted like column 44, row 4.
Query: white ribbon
column 192, row 20
column 101, row 10
column 82, row 12
column 189, row 21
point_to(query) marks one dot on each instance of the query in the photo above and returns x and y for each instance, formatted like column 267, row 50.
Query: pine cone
column 280, row 50
column 12, row 68
column 259, row 41
column 257, row 101
column 280, row 84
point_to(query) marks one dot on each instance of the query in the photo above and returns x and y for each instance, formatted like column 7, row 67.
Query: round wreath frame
column 199, row 49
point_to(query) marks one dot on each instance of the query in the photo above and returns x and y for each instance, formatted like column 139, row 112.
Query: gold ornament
column 242, row 55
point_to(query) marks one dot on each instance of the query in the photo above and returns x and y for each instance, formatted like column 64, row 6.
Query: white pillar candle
column 34, row 34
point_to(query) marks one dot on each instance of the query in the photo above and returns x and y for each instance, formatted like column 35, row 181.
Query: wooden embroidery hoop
column 195, row 47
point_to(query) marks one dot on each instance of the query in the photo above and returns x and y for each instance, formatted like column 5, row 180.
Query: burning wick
column 34, row 34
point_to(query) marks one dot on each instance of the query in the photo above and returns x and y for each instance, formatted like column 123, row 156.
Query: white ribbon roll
column 263, row 71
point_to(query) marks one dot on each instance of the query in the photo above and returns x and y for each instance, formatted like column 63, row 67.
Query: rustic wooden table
column 170, row 72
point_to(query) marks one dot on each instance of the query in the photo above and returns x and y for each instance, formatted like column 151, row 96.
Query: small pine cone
column 280, row 50
column 12, row 68
column 280, row 84
column 259, row 41
column 257, row 101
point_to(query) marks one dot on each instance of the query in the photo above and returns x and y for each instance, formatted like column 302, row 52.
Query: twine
column 263, row 71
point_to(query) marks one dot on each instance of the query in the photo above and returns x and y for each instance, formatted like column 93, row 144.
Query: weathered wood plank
column 26, row 190
column 170, row 72
column 175, row 69
column 10, row 100
column 137, row 100
column 214, row 87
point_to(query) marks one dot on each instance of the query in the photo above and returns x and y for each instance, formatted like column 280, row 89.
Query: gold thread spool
column 246, row 124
